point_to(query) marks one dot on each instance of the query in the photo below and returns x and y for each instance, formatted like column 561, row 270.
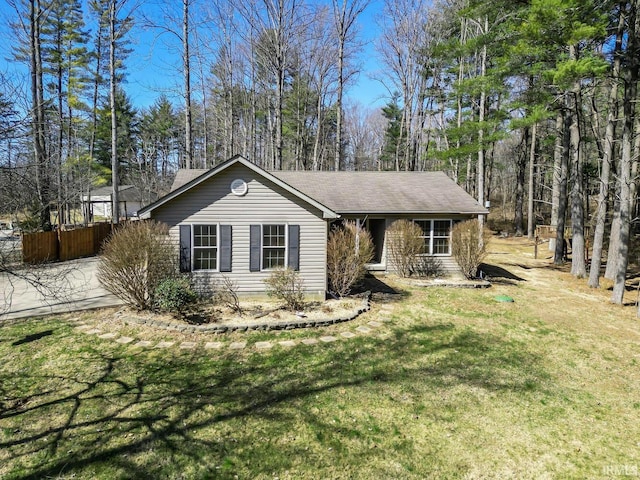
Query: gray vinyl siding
column 448, row 264
column 212, row 202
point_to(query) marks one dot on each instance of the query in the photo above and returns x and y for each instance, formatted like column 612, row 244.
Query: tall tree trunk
column 559, row 257
column 607, row 155
column 205, row 119
column 633, row 198
column 624, row 175
column 622, row 254
column 115, row 164
column 253, row 131
column 532, row 162
column 406, row 119
column 614, row 239
column 279, row 147
column 481, row 116
column 38, row 116
column 521, row 163
column 555, row 181
column 459, row 110
column 338, row 146
column 316, row 142
column 578, row 267
column 95, row 97
column 399, row 143
column 186, row 66
column 60, row 133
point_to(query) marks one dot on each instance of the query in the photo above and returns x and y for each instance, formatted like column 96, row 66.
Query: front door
column 376, row 227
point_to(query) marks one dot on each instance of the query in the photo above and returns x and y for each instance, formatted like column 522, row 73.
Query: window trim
column 431, row 235
column 285, row 248
column 194, row 247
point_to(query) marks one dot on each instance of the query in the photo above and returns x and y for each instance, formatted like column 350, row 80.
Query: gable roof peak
column 193, row 177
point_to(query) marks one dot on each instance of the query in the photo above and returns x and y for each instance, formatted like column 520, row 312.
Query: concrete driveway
column 65, row 287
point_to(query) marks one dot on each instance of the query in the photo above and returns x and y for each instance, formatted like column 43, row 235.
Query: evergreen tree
column 393, row 150
column 159, row 137
column 65, row 59
column 127, row 129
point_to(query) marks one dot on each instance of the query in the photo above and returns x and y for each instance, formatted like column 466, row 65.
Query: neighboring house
column 241, row 221
column 99, row 203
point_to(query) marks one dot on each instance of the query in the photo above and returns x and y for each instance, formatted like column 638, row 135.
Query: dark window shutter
column 294, row 247
column 225, row 248
column 185, row 248
column 255, row 242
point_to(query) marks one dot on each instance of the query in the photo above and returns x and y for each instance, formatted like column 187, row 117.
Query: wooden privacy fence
column 64, row 244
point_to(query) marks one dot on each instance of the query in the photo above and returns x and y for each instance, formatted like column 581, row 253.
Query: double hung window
column 436, row 235
column 205, row 247
column 274, row 246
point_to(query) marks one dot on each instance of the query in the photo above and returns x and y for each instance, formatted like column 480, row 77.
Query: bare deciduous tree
column 345, row 15
column 278, row 24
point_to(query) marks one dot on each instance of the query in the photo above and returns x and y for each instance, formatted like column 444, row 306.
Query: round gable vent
column 239, row 187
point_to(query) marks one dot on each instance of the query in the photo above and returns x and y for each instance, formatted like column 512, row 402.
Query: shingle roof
column 185, row 175
column 108, row 190
column 383, row 192
column 126, row 193
column 373, row 192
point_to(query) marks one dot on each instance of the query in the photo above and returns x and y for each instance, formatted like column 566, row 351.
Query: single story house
column 99, row 202
column 241, row 221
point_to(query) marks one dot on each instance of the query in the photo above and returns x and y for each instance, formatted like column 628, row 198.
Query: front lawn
column 454, row 385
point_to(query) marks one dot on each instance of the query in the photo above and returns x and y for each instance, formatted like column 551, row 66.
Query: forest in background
column 530, row 104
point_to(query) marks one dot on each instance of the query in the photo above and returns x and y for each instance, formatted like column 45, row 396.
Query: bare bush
column 135, row 259
column 404, row 246
column 349, row 249
column 227, row 294
column 285, row 284
column 469, row 246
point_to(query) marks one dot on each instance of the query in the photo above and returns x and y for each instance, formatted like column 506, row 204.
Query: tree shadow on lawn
column 33, row 337
column 380, row 290
column 497, row 274
column 152, row 413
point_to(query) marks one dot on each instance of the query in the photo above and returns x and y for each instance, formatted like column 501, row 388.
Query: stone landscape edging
column 251, row 326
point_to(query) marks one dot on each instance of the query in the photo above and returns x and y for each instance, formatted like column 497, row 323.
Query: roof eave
column 410, row 212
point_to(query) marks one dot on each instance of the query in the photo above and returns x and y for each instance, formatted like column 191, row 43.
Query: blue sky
column 152, row 68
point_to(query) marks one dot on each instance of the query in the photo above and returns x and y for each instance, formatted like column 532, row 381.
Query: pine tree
column 393, row 154
column 127, row 127
column 158, row 135
column 560, row 38
column 65, row 60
